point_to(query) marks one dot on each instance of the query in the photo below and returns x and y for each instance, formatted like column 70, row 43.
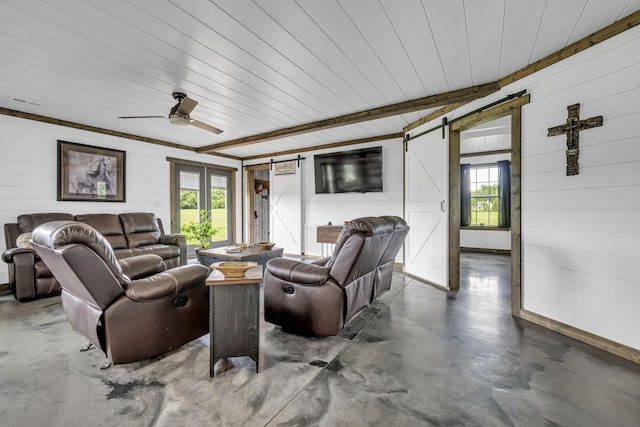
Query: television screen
column 355, row 171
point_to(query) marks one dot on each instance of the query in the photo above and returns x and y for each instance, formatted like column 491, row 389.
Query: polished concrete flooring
column 418, row 357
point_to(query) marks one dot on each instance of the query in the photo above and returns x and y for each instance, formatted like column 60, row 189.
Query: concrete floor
column 418, row 356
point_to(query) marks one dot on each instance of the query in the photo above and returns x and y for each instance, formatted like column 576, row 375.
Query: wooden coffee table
column 234, row 317
column 252, row 253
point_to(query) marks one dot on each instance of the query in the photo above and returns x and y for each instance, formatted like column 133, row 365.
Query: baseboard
column 605, row 344
column 428, row 282
column 487, row 251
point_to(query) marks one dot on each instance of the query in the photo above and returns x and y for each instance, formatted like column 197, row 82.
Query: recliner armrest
column 176, row 240
column 7, row 256
column 141, row 266
column 298, row 272
column 168, row 283
column 321, row 261
column 172, row 239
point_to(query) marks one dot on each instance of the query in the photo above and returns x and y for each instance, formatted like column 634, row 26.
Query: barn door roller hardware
column 446, row 122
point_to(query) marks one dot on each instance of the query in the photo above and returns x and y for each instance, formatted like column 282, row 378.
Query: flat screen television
column 354, row 171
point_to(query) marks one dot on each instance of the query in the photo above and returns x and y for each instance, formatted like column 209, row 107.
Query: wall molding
column 593, row 340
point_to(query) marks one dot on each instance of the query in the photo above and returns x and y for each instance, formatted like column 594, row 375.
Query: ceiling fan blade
column 186, row 106
column 142, row 117
column 205, row 126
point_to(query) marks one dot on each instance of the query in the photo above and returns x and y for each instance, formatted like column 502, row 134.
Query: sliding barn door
column 426, row 208
column 286, row 210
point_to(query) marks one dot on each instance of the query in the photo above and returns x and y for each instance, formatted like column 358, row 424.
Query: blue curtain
column 504, row 193
column 465, row 195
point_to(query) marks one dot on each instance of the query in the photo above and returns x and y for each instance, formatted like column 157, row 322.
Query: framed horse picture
column 87, row 173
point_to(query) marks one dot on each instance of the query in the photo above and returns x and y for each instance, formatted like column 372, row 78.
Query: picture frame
column 90, row 174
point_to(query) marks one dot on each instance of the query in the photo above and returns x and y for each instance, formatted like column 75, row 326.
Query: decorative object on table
column 202, row 231
column 265, row 246
column 241, row 245
column 572, row 128
column 231, row 269
column 88, row 173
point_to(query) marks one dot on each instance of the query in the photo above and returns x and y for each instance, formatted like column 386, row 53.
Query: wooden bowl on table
column 233, row 269
column 266, row 246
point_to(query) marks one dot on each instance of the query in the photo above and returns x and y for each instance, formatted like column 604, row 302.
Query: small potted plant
column 201, row 231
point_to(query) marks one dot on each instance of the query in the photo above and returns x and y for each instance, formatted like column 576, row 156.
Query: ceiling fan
column 179, row 114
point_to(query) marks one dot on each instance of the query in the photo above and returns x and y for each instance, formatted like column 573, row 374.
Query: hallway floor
column 418, row 356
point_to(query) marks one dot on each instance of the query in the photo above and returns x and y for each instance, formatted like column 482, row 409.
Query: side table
column 234, row 316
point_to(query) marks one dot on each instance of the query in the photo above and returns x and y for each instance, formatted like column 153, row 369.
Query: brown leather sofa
column 320, row 298
column 129, row 234
column 133, row 308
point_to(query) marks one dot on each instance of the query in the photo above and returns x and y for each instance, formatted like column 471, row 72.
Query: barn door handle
column 442, row 206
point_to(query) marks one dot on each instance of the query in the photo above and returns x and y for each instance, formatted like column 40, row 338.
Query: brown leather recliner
column 132, row 309
column 320, row 298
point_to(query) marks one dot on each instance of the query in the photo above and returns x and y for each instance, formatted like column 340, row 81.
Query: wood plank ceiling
column 256, row 67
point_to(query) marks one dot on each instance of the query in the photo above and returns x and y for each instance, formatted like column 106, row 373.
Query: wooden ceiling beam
column 434, row 115
column 454, row 96
column 325, row 146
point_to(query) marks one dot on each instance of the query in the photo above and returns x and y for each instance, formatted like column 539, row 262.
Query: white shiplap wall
column 581, row 234
column 28, row 173
column 581, row 263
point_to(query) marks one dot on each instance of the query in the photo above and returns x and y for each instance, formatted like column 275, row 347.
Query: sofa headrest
column 397, row 222
column 28, row 222
column 141, row 228
column 366, row 226
column 108, row 225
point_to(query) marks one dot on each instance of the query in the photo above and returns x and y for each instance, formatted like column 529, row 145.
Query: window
column 199, row 187
column 485, row 202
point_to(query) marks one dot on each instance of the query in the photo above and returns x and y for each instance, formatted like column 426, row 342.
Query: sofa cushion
column 28, row 222
column 141, row 228
column 108, row 225
column 164, row 251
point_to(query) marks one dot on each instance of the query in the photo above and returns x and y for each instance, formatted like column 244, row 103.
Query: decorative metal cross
column 572, row 129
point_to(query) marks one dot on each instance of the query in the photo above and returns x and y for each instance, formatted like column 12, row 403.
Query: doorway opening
column 258, row 200
column 485, row 225
column 513, row 110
